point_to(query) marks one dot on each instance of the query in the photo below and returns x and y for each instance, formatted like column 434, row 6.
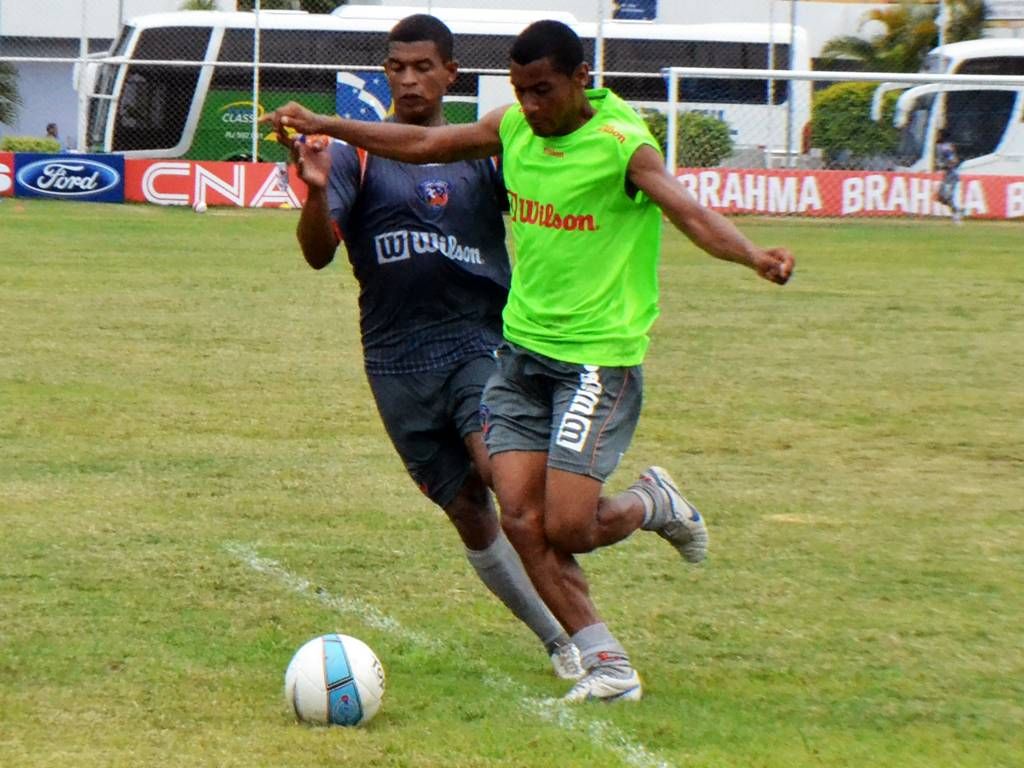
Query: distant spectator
column 947, row 159
column 52, row 133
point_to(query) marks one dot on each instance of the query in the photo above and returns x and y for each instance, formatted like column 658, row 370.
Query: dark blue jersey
column 427, row 245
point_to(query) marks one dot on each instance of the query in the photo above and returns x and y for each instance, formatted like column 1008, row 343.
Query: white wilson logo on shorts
column 578, row 418
column 403, row 244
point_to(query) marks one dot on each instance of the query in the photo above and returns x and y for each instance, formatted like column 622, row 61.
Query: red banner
column 186, row 182
column 849, row 193
column 6, row 174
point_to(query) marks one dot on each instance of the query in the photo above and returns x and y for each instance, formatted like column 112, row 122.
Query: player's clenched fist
column 294, row 116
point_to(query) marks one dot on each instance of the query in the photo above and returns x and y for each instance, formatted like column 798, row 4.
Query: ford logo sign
column 68, row 177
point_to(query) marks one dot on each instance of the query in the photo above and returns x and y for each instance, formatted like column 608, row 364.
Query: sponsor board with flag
column 363, row 95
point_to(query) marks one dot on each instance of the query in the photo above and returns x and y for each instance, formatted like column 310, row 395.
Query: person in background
column 947, row 160
column 52, row 133
column 427, row 246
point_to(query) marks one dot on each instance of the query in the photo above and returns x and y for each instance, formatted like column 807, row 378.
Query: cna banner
column 214, row 183
column 635, row 10
column 6, row 174
column 849, row 193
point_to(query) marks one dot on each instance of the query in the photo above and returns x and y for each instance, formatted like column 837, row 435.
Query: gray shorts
column 583, row 416
column 427, row 415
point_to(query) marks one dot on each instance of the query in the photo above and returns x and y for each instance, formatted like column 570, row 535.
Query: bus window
column 915, row 133
column 155, row 100
column 644, row 55
column 993, row 65
column 286, row 46
column 172, row 44
column 977, row 120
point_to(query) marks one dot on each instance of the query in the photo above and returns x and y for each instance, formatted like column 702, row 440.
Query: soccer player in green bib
column 587, row 190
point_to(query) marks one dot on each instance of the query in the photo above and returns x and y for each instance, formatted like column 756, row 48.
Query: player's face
column 419, row 79
column 553, row 103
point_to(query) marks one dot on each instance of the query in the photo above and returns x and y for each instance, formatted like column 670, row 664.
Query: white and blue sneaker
column 674, row 518
column 600, row 684
column 566, row 662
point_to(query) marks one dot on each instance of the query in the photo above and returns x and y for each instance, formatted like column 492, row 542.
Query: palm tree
column 10, row 98
column 968, row 20
column 910, row 32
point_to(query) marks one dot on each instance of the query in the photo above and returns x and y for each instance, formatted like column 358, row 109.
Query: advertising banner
column 1004, row 10
column 850, row 193
column 91, row 178
column 187, row 182
column 6, row 174
column 635, row 10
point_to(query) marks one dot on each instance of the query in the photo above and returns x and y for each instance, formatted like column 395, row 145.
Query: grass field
column 193, row 482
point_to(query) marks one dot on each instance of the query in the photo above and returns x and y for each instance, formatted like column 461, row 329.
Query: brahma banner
column 849, row 193
column 186, row 182
column 6, row 174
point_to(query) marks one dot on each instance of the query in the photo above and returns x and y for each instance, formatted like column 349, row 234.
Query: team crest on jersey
column 433, row 193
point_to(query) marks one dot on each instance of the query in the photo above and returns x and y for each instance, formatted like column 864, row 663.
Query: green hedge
column 841, row 123
column 702, row 141
column 29, row 144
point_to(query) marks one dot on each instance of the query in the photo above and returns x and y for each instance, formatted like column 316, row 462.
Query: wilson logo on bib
column 527, row 211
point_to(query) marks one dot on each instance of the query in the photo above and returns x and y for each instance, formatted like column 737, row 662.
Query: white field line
column 600, row 733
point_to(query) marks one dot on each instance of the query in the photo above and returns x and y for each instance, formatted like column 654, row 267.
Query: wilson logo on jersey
column 403, row 244
column 527, row 211
column 610, row 130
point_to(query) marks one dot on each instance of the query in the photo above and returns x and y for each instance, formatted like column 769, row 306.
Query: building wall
column 48, row 96
column 66, row 18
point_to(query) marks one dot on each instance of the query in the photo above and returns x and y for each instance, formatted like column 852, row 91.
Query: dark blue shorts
column 427, row 415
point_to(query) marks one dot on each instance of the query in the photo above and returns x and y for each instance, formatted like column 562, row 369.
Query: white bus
column 986, row 122
column 177, row 84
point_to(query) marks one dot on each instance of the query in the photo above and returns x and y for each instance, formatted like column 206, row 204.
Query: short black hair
column 552, row 40
column 421, row 27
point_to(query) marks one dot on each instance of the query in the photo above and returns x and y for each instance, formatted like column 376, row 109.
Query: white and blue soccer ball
column 334, row 680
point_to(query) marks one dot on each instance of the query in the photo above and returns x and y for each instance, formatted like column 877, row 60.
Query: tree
column 10, row 98
column 702, row 141
column 910, row 32
column 199, row 5
column 841, row 125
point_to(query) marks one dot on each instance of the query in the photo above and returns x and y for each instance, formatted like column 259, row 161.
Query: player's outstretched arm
column 707, row 229
column 398, row 141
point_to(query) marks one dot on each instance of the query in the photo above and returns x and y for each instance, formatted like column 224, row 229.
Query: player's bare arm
column 316, row 235
column 398, row 141
column 707, row 229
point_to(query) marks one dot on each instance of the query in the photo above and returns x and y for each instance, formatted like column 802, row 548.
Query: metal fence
column 748, row 129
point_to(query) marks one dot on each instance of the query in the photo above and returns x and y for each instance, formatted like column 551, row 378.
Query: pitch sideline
column 567, row 717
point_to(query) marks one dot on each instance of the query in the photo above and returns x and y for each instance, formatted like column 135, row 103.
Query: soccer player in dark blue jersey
column 427, row 245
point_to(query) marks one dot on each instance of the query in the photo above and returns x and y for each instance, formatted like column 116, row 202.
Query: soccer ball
column 334, row 680
column 199, row 207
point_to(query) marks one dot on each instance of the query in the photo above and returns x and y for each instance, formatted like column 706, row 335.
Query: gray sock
column 500, row 568
column 599, row 649
column 646, row 494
